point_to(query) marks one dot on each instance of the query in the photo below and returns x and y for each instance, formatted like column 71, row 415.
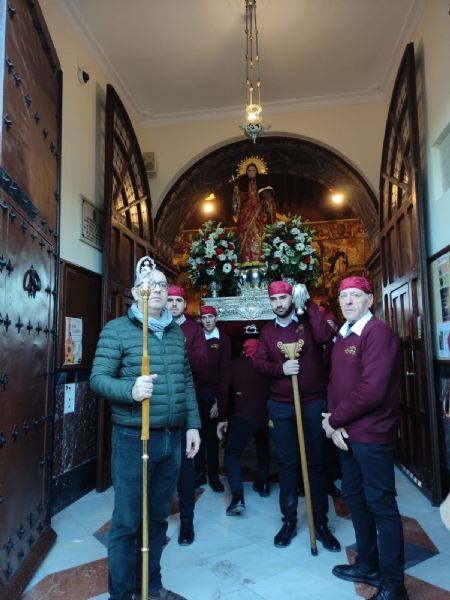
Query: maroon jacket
column 219, row 359
column 250, row 391
column 313, row 328
column 196, row 347
column 364, row 391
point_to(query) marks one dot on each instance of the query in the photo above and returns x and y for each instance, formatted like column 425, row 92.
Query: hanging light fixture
column 254, row 127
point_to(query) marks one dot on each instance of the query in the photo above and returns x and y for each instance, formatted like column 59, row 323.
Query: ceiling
column 175, row 61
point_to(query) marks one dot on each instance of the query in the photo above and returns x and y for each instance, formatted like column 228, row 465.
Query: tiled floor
column 235, row 558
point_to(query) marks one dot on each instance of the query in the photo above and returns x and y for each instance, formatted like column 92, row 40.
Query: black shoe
column 187, row 535
column 262, row 488
column 285, row 535
column 200, row 479
column 391, row 592
column 352, row 573
column 324, row 535
column 333, row 490
column 214, row 482
column 237, row 505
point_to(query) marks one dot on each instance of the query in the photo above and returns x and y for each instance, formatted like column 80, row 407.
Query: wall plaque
column 91, row 224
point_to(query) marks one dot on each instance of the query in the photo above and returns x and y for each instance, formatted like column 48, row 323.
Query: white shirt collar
column 357, row 327
column 293, row 318
column 214, row 334
column 182, row 320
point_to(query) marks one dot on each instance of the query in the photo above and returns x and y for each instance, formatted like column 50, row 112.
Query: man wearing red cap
column 219, row 358
column 198, row 360
column 250, row 394
column 312, row 328
column 364, row 405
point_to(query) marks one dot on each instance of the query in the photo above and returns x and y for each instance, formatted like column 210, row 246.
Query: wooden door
column 129, row 235
column 29, row 263
column 405, row 286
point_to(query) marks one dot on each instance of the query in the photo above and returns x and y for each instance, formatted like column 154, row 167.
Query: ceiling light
column 337, row 198
column 254, row 127
column 208, row 207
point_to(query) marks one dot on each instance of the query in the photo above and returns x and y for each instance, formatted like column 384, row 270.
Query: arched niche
column 287, row 155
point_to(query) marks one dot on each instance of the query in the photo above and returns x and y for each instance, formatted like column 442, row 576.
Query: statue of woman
column 254, row 207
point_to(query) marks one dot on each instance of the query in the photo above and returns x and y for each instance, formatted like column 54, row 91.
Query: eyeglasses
column 163, row 285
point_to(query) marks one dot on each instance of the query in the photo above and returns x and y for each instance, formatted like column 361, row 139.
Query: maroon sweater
column 312, row 327
column 250, row 391
column 196, row 348
column 364, row 391
column 219, row 358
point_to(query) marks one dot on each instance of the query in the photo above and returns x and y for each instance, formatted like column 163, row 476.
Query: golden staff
column 291, row 352
column 145, row 436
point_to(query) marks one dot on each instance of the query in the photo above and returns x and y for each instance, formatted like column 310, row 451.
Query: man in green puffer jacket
column 116, row 376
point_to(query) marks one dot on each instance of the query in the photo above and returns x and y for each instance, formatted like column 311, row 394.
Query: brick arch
column 285, row 155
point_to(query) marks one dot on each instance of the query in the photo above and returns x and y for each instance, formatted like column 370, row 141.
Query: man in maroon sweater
column 198, row 360
column 313, row 329
column 219, row 357
column 250, row 394
column 364, row 406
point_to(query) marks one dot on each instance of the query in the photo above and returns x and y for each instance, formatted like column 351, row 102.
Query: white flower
column 300, row 247
column 200, row 260
column 226, row 268
column 285, row 260
column 284, row 246
column 224, row 243
column 295, row 231
column 277, row 254
column 222, row 257
column 290, row 252
column 280, row 224
column 277, row 240
column 210, row 271
column 219, row 230
column 303, row 266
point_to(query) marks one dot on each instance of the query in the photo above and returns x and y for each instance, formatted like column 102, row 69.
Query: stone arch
column 283, row 154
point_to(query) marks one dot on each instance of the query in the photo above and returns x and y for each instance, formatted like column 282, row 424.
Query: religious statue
column 253, row 207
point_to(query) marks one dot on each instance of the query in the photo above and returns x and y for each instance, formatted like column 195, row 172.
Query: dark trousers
column 124, row 546
column 208, row 455
column 186, row 483
column 283, row 429
column 368, row 487
column 240, row 432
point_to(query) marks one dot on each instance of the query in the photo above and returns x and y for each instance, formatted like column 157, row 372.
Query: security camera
column 83, row 77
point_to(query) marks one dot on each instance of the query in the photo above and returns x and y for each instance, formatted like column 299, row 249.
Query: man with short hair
column 364, row 408
column 198, row 359
column 116, row 376
column 312, row 328
column 219, row 358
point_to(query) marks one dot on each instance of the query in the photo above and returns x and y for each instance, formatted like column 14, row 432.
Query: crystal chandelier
column 254, row 127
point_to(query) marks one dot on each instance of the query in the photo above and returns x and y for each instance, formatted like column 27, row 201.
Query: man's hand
column 338, row 438
column 192, row 442
column 326, row 425
column 291, row 367
column 214, row 412
column 143, row 387
column 222, row 428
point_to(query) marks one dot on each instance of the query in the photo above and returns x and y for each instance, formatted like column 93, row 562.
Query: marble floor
column 235, row 558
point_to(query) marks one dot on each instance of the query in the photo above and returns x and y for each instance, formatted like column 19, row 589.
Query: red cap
column 208, row 310
column 359, row 283
column 176, row 290
column 250, row 347
column 280, row 287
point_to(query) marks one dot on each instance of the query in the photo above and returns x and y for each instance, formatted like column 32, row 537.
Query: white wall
column 355, row 132
column 82, row 137
column 432, row 45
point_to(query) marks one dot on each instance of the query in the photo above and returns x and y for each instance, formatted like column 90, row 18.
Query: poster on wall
column 443, row 336
column 73, row 347
column 444, row 285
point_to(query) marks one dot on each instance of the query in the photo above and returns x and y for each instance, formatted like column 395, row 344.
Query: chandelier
column 254, row 127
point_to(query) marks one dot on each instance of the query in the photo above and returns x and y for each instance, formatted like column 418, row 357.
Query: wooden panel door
column 404, row 272
column 29, row 263
column 129, row 235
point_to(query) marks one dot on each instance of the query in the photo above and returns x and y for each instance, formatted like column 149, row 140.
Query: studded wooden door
column 29, row 221
column 404, row 270
column 129, row 235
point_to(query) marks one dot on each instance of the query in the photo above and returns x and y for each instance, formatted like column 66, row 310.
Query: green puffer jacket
column 117, row 364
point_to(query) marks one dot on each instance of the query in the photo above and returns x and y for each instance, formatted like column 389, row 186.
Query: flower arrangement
column 288, row 251
column 213, row 257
